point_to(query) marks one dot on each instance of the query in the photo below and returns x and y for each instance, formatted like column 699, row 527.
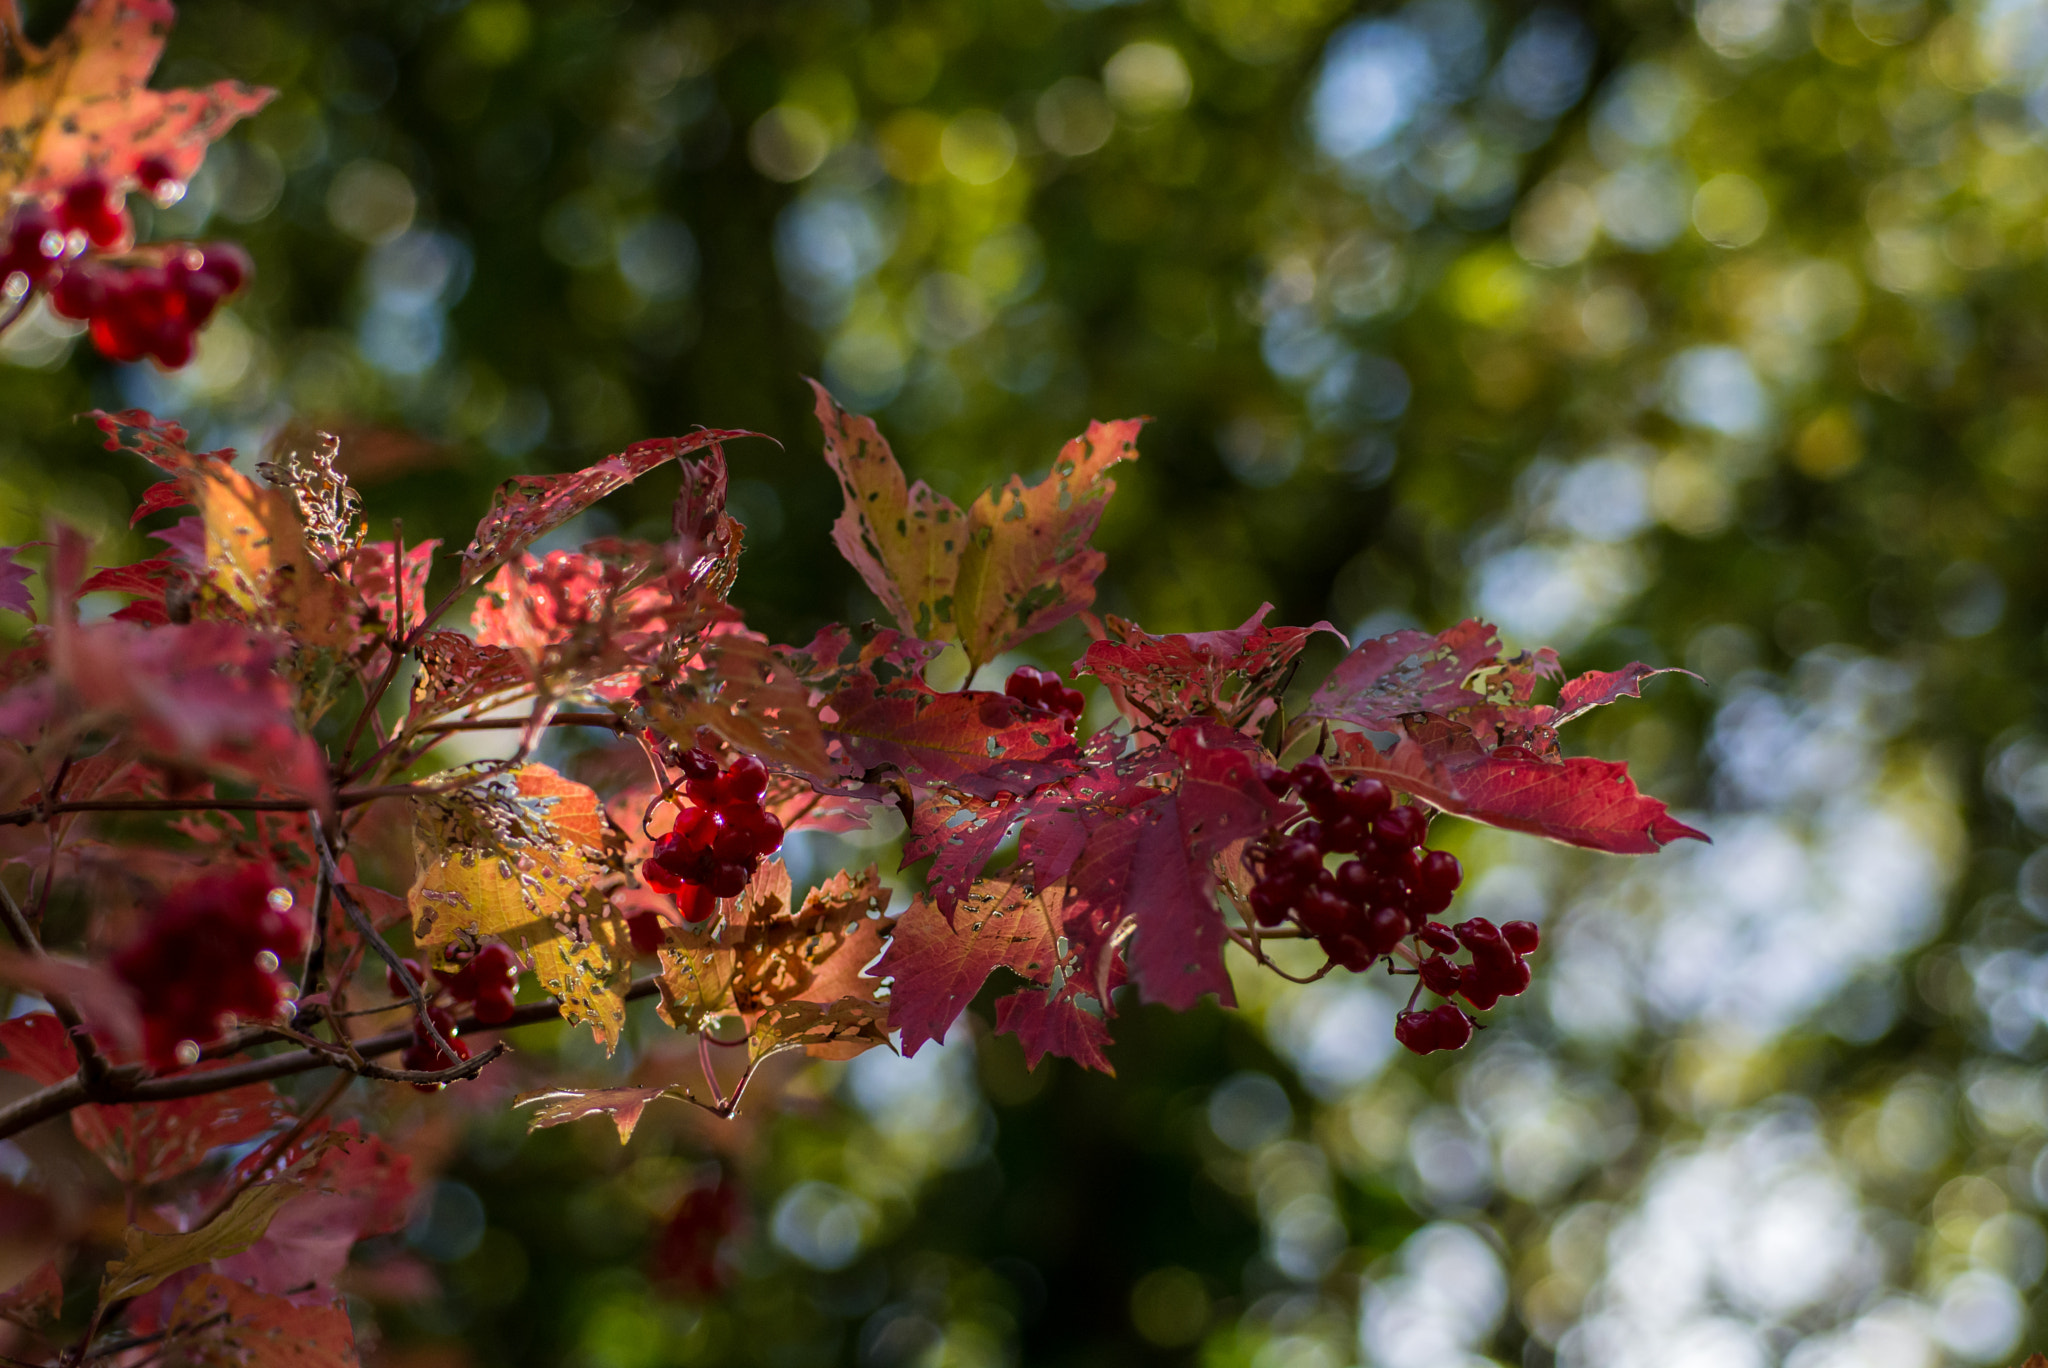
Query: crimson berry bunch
column 486, row 979
column 719, row 839
column 147, row 307
column 425, row 1054
column 1389, row 892
column 1044, row 689
column 213, row 955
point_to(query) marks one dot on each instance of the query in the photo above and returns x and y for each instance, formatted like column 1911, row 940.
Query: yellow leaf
column 152, row 1256
column 1026, row 564
column 519, row 857
column 258, row 560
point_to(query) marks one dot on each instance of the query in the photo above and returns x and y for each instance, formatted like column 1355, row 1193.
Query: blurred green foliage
column 1707, row 334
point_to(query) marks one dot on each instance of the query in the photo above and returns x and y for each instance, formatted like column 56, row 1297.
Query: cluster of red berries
column 1044, row 689
column 1390, row 890
column 150, row 309
column 425, row 1054
column 720, row 839
column 486, row 979
column 1367, row 905
column 213, row 955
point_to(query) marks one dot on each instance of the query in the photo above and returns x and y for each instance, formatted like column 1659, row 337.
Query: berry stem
column 368, row 931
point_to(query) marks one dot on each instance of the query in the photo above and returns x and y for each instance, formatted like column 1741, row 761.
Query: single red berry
column 1348, row 950
column 697, row 763
column 1277, row 781
column 1345, row 833
column 1477, row 933
column 744, row 781
column 1439, row 869
column 1522, row 936
column 152, row 172
column 495, row 1006
column 1384, row 927
column 1440, row 976
column 1312, row 779
column 1401, row 826
column 1271, row 901
column 78, row 293
column 226, row 263
column 1437, row 936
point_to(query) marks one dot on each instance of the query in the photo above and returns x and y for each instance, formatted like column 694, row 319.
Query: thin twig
column 368, row 931
column 1237, row 938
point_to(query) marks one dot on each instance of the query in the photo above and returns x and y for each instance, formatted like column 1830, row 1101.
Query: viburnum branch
column 368, row 931
column 1238, row 939
column 316, row 953
column 560, row 719
column 134, row 1083
column 123, row 1343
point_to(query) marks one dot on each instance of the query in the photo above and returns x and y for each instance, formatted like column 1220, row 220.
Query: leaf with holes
column 1233, row 677
column 981, row 743
column 528, row 507
column 1026, row 565
column 82, row 105
column 521, row 857
column 560, row 1106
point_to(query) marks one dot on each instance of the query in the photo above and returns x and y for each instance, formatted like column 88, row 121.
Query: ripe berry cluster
column 1044, row 689
column 425, row 1053
column 720, row 839
column 1390, row 890
column 486, row 979
column 213, row 955
column 150, row 308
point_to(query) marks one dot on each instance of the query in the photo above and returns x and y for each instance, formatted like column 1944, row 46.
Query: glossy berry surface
column 717, row 842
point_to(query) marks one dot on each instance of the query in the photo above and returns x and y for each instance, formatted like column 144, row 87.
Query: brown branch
column 1237, row 938
column 276, row 1148
column 368, row 931
column 560, row 719
column 134, row 1083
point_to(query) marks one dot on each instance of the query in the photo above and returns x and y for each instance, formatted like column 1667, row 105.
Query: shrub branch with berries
column 222, row 776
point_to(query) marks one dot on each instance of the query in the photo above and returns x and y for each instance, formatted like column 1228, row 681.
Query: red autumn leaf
column 528, row 507
column 220, row 1321
column 1064, row 814
column 369, row 568
column 1598, row 688
column 560, row 1106
column 1406, row 672
column 751, row 698
column 81, row 105
column 1152, row 865
column 1578, row 801
column 146, row 1142
column 1004, row 922
column 14, row 576
column 456, row 673
column 1231, row 677
column 1054, row 1023
column 202, row 693
column 356, row 1187
column 39, row 1296
column 982, row 743
column 960, row 833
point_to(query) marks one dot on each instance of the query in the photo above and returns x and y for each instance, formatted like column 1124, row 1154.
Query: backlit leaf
column 153, row 1256
column 937, row 968
column 1026, row 565
column 982, row 743
column 516, row 857
column 559, row 1106
column 1233, row 677
column 234, row 1326
column 82, row 105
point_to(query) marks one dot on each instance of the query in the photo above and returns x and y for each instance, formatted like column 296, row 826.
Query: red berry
column 1440, row 976
column 728, row 879
column 78, row 293
column 1345, row 833
column 1522, row 936
column 1477, row 933
column 1276, row 781
column 1401, row 827
column 495, row 1006
column 1439, row 869
column 153, row 172
column 397, row 985
column 1384, row 927
column 1437, row 936
column 1322, row 912
column 1349, row 951
column 226, row 263
column 1271, row 901
column 697, row 763
column 90, row 207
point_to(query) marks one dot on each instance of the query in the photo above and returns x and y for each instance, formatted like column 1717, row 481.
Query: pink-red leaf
column 1598, row 688
column 1152, row 865
column 528, row 507
column 981, row 743
column 14, row 592
column 1406, row 672
column 1229, row 676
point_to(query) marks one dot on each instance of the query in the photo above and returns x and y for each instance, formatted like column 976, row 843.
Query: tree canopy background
column 1712, row 335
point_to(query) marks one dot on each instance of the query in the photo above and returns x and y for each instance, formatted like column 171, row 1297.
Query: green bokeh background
column 1704, row 334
